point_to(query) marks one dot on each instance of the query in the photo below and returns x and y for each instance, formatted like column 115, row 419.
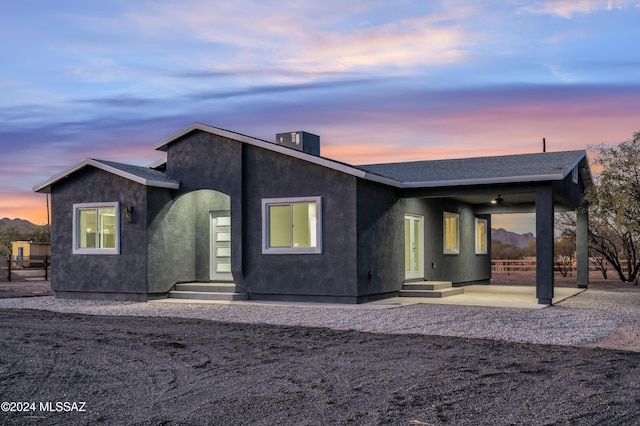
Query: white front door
column 220, row 246
column 413, row 246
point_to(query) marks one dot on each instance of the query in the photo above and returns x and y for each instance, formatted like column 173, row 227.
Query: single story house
column 229, row 213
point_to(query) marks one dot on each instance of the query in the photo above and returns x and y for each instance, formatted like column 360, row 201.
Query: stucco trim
column 46, row 185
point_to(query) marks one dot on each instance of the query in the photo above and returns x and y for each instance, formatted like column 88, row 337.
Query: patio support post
column 544, row 245
column 582, row 248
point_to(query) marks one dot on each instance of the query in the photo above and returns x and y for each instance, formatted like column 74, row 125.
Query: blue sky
column 377, row 80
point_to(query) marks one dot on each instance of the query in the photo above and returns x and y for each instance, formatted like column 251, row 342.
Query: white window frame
column 485, row 236
column 266, row 202
column 445, row 249
column 95, row 251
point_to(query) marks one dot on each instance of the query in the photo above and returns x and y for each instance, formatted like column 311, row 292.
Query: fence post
column 9, row 263
column 46, row 269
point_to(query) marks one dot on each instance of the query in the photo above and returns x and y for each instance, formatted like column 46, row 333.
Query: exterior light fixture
column 128, row 214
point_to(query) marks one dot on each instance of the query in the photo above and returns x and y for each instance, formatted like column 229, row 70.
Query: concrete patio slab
column 490, row 295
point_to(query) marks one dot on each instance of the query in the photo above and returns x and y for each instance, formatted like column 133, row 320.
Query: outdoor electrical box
column 302, row 141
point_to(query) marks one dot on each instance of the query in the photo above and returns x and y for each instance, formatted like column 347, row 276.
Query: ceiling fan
column 499, row 201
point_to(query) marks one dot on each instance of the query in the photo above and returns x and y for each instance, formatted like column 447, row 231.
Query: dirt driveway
column 168, row 371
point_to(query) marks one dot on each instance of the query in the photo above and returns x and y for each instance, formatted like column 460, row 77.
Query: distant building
column 26, row 250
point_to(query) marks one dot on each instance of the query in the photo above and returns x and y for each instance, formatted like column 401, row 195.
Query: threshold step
column 431, row 293
column 207, row 287
column 427, row 285
column 206, row 295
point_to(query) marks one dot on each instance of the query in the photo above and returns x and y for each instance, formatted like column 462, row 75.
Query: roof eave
column 134, row 178
column 484, row 181
column 45, row 187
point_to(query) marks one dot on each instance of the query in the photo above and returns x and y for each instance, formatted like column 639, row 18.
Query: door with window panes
column 413, row 246
column 220, row 269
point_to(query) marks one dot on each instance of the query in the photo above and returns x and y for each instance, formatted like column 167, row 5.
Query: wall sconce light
column 128, row 214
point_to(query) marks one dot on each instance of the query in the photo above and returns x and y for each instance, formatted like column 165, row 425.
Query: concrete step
column 431, row 293
column 206, row 295
column 214, row 287
column 427, row 285
column 225, row 291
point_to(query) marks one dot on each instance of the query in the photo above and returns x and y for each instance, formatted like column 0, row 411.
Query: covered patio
column 542, row 183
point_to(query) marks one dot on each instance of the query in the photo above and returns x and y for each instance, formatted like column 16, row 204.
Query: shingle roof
column 147, row 175
column 498, row 169
column 139, row 174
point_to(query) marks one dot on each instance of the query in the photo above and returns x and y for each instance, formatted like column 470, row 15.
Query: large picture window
column 292, row 225
column 96, row 228
column 481, row 236
column 451, row 234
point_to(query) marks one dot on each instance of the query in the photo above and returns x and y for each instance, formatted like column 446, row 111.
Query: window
column 451, row 235
column 292, row 225
column 96, row 228
column 481, row 236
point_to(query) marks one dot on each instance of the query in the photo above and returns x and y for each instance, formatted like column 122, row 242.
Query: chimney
column 302, row 141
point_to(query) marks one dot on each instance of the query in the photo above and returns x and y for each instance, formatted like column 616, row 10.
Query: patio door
column 413, row 246
column 220, row 269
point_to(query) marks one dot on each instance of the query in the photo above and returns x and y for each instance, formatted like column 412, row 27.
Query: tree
column 564, row 254
column 39, row 234
column 614, row 207
column 500, row 250
column 7, row 235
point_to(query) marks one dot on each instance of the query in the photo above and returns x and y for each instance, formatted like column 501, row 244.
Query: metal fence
column 10, row 268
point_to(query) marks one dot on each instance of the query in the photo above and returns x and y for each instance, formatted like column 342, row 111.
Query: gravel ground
column 265, row 364
column 583, row 319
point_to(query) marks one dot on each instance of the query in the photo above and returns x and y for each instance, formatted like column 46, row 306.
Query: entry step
column 429, row 289
column 225, row 291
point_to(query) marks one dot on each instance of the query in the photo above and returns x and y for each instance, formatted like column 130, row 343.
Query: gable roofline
column 110, row 168
column 321, row 161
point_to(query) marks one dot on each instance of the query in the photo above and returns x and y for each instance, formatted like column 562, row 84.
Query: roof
column 271, row 146
column 482, row 170
column 550, row 166
column 142, row 175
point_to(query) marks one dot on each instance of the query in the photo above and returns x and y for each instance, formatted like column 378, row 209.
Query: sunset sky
column 379, row 81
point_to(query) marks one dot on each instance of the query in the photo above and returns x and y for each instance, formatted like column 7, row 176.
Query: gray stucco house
column 226, row 213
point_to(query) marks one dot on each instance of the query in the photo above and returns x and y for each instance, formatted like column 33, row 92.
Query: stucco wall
column 329, row 276
column 201, row 160
column 75, row 274
column 380, row 241
column 466, row 266
column 248, row 174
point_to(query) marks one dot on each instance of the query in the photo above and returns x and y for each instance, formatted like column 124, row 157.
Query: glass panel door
column 220, row 269
column 413, row 246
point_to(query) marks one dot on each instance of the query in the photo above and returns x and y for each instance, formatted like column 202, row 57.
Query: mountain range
column 511, row 238
column 20, row 225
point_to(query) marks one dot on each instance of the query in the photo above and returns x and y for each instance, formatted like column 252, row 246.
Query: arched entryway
column 180, row 239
